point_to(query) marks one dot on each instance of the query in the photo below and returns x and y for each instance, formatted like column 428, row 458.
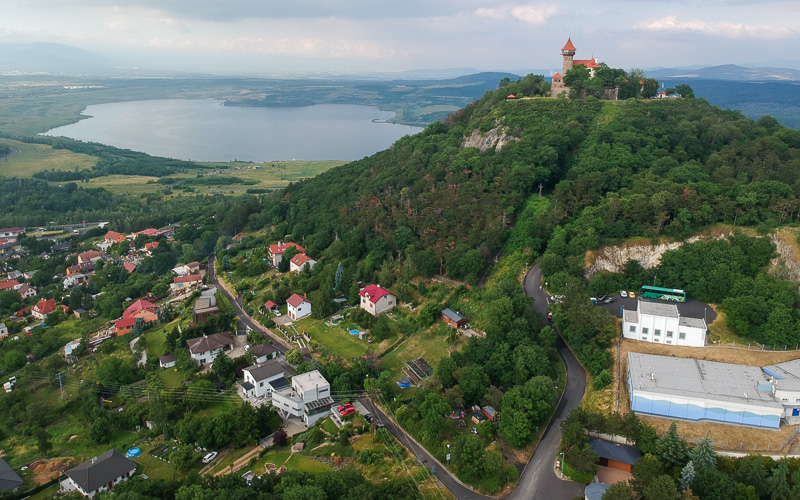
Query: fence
column 753, row 346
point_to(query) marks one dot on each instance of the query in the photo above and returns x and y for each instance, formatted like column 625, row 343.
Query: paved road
column 537, row 481
column 236, row 302
column 690, row 308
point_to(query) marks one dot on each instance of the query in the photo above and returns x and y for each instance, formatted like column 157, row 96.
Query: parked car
column 368, row 418
column 347, row 411
column 623, row 294
column 609, row 300
column 602, row 298
column 631, row 295
column 209, row 457
column 549, row 315
column 593, row 300
column 277, row 314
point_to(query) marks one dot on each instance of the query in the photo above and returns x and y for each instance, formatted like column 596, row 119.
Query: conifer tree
column 338, row 278
column 703, row 455
column 777, row 483
column 670, row 449
column 687, row 476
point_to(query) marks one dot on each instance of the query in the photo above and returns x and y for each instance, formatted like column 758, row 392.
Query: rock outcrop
column 495, row 138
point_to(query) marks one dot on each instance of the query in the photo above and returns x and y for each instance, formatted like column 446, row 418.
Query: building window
column 682, row 335
column 645, row 330
column 633, row 329
column 657, row 333
column 261, row 384
column 669, row 334
column 669, row 341
column 785, row 400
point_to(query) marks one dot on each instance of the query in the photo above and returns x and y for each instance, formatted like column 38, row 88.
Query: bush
column 369, row 457
column 601, row 380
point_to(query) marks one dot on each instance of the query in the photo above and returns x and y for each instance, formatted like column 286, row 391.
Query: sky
column 347, row 36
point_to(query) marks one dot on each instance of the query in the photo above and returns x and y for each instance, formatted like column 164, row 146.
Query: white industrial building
column 693, row 389
column 785, row 381
column 661, row 323
column 308, row 398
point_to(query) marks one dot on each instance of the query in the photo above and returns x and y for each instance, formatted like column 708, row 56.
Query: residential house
column 14, row 275
column 74, row 279
column 277, row 250
column 662, row 323
column 376, row 300
column 308, row 398
column 9, row 479
column 204, row 349
column 298, row 306
column 76, row 269
column 149, row 247
column 60, row 247
column 3, row 330
column 299, row 261
column 79, row 313
column 26, row 291
column 129, row 267
column 182, row 283
column 28, row 274
column 101, row 473
column 11, row 232
column 167, row 361
column 205, row 306
column 454, row 318
column 10, row 285
column 260, row 380
column 43, row 308
column 264, row 352
column 192, row 268
column 114, row 237
column 124, row 325
column 104, row 245
column 143, row 309
column 613, row 455
column 89, row 256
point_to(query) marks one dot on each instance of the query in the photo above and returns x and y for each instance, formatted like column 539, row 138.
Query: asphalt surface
column 690, row 308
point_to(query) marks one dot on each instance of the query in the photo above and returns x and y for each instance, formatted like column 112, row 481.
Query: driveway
column 239, row 341
column 690, row 308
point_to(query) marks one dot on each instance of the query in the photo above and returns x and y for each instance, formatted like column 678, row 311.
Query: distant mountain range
column 51, row 58
column 728, row 72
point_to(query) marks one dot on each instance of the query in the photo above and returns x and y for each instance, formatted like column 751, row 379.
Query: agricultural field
column 32, row 158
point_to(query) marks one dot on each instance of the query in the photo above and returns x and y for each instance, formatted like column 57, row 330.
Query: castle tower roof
column 569, row 46
column 557, row 75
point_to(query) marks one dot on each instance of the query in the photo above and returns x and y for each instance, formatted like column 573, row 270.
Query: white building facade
column 308, row 398
column 376, row 300
column 261, row 380
column 661, row 323
column 785, row 381
column 298, row 307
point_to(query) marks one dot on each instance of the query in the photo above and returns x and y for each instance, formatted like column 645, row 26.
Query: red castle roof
column 589, row 63
column 557, row 75
column 374, row 293
column 568, row 45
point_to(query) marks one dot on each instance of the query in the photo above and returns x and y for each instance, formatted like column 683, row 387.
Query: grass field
column 430, row 344
column 302, row 464
column 34, row 158
column 337, row 339
column 122, row 184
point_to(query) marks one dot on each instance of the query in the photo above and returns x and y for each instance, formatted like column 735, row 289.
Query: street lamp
column 448, row 453
column 562, row 465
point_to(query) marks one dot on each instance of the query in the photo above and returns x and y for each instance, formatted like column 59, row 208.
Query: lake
column 206, row 130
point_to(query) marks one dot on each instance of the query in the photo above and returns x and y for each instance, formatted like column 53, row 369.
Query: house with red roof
column 141, row 309
column 129, row 266
column 43, row 308
column 376, row 300
column 114, row 237
column 277, row 250
column 149, row 247
column 298, row 306
column 146, row 232
column 271, row 306
column 299, row 261
column 89, row 257
column 183, row 283
column 11, row 233
column 124, row 325
column 10, row 285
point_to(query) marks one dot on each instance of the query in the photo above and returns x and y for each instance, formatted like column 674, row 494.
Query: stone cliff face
column 787, row 263
column 495, row 138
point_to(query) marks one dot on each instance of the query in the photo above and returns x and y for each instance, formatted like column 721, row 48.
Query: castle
column 568, row 53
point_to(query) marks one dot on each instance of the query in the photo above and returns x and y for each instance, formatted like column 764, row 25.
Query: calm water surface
column 205, row 130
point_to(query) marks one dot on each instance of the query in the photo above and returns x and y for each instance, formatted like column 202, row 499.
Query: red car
column 347, row 411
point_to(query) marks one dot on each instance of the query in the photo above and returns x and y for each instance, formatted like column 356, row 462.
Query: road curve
column 537, row 481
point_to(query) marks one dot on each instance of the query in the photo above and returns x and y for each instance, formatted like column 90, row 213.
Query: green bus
column 670, row 294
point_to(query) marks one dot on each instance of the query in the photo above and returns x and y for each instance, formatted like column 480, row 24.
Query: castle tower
column 568, row 52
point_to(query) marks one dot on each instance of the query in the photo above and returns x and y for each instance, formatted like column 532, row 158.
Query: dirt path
column 9, row 155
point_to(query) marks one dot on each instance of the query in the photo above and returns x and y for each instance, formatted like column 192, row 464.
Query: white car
column 623, row 294
column 208, row 458
column 277, row 314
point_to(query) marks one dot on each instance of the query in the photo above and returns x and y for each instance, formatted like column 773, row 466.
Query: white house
column 308, row 398
column 3, row 330
column 167, row 361
column 376, row 300
column 298, row 306
column 298, row 262
column 661, row 323
column 785, row 381
column 261, row 380
column 204, row 349
column 101, row 473
column 277, row 250
column 266, row 351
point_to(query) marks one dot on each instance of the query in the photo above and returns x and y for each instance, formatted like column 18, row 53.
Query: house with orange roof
column 376, row 300
column 299, row 261
column 277, row 250
column 114, row 237
column 129, row 266
column 146, row 232
column 149, row 247
column 141, row 309
column 89, row 256
column 43, row 308
column 10, row 285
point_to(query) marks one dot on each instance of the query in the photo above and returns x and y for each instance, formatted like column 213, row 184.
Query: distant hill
column 728, row 72
column 50, row 58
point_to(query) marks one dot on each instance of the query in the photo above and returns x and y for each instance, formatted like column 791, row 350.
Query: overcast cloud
column 267, row 37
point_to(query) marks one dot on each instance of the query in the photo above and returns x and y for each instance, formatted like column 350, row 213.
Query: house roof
column 301, row 259
column 139, row 305
column 511, row 96
column 8, row 478
column 269, row 369
column 187, row 279
column 263, row 349
column 89, row 255
column 169, row 358
column 453, row 315
column 45, row 306
column 589, row 63
column 129, row 266
column 192, row 264
column 152, row 244
column 24, row 288
column 279, row 248
column 613, row 451
column 61, row 246
column 374, row 293
column 269, row 304
column 595, row 491
column 658, row 309
column 5, row 285
column 147, row 232
column 309, row 381
column 295, row 300
column 91, row 475
column 209, row 343
column 568, row 45
column 692, row 322
column 125, row 322
column 114, row 236
column 247, row 386
column 557, row 75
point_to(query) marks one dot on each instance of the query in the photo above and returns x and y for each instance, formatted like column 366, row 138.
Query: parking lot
column 690, row 308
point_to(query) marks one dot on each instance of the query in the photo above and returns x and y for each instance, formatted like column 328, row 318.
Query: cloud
column 529, row 13
column 721, row 28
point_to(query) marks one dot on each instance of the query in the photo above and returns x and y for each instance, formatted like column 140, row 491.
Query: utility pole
column 60, row 385
column 374, row 414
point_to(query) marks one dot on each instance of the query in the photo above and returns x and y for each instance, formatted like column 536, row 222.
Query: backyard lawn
column 302, row 464
column 338, row 338
column 429, row 344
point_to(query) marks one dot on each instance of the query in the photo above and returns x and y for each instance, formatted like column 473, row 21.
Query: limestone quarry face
column 495, row 138
column 785, row 265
